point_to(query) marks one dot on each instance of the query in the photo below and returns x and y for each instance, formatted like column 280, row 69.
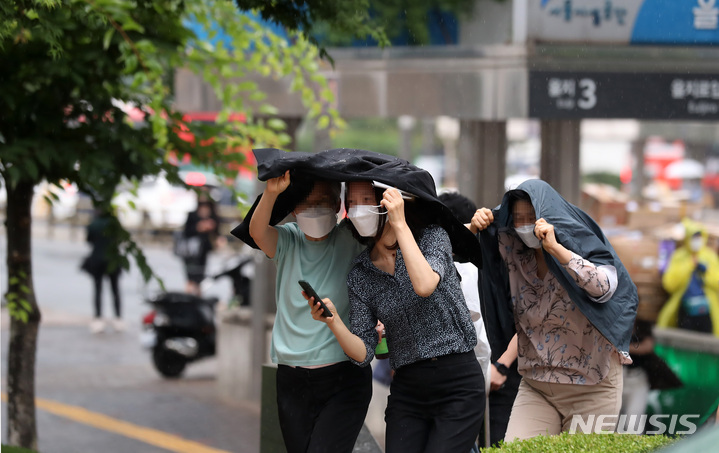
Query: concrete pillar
column 559, row 164
column 482, row 161
column 235, row 354
column 428, row 148
column 638, row 178
column 322, row 140
column 262, row 302
column 405, row 124
column 293, row 123
column 447, row 130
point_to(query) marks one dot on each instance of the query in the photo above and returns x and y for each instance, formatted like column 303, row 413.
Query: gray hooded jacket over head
column 576, row 231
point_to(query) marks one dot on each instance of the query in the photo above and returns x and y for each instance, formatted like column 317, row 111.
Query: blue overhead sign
column 677, row 22
column 663, row 22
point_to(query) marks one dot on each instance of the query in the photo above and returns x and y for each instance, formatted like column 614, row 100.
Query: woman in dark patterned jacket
column 407, row 280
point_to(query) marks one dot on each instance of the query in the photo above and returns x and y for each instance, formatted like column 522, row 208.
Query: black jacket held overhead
column 345, row 164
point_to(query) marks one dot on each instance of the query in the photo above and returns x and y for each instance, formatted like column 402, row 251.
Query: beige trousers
column 543, row 408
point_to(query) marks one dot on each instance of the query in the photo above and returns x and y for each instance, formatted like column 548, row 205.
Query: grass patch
column 9, row 449
column 584, row 443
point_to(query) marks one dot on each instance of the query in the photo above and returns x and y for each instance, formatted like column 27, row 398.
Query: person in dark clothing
column 647, row 372
column 100, row 263
column 201, row 231
column 503, row 375
column 464, row 208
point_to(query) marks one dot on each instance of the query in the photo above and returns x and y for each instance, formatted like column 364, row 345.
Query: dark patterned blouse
column 417, row 327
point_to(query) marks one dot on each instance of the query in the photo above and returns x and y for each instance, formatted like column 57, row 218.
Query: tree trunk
column 22, row 429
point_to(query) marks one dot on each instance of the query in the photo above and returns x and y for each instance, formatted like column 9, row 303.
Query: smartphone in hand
column 312, row 293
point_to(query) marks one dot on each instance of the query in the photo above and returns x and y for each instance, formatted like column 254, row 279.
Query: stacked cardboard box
column 652, row 215
column 639, row 254
column 605, row 204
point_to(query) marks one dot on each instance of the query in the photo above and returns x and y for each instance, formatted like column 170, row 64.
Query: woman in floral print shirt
column 568, row 366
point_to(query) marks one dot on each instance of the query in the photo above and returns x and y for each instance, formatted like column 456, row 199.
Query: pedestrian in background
column 498, row 317
column 463, row 208
column 574, row 308
column 647, row 372
column 102, row 262
column 692, row 281
column 202, row 230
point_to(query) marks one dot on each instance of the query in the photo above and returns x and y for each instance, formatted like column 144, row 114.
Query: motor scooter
column 181, row 327
column 241, row 270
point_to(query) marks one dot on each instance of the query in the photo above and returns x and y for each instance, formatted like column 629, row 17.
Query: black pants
column 500, row 407
column 114, row 284
column 435, row 405
column 323, row 409
column 195, row 268
column 700, row 323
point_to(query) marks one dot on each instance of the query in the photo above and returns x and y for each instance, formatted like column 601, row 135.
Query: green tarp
column 699, row 371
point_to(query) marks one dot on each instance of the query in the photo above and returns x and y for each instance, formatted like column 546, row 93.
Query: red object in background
column 195, row 178
column 186, row 135
column 658, row 155
column 625, row 175
column 149, row 318
column 711, row 182
column 137, row 115
column 183, row 132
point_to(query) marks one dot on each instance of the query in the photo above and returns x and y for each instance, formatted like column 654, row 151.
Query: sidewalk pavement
column 82, row 377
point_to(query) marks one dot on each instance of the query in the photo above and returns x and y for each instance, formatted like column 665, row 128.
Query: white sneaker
column 118, row 324
column 97, row 325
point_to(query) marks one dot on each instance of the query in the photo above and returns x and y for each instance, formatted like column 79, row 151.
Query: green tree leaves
column 77, row 65
column 17, row 304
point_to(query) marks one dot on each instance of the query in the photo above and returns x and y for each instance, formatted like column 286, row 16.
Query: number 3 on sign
column 589, row 94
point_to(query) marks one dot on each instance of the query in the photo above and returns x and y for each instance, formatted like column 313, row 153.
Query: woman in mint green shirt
column 322, row 397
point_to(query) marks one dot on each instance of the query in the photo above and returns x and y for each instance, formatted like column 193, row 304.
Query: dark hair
column 516, row 195
column 419, row 215
column 205, row 199
column 303, row 185
column 207, row 203
column 335, row 190
column 462, row 207
column 513, row 197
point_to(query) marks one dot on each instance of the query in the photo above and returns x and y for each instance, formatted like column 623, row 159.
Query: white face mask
column 526, row 234
column 695, row 244
column 365, row 219
column 317, row 222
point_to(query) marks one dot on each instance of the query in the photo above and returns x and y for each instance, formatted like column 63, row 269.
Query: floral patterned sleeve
column 598, row 282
